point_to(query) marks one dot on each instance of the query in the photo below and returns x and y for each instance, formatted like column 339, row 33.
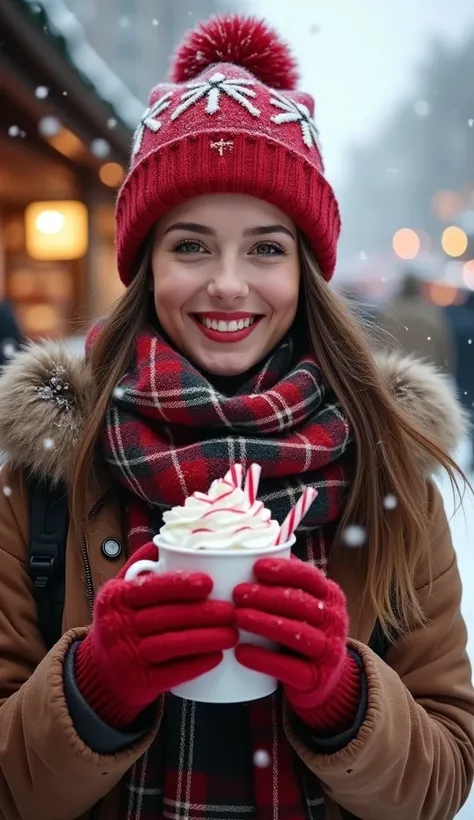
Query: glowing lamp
column 56, row 230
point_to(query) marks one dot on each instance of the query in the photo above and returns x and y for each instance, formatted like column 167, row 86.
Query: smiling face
column 226, row 279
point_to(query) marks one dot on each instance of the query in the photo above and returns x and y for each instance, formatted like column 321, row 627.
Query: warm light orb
column 406, row 243
column 111, row 174
column 56, row 230
column 454, row 241
column 442, row 294
column 49, row 222
column 446, row 204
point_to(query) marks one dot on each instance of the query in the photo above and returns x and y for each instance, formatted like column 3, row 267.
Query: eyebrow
column 260, row 230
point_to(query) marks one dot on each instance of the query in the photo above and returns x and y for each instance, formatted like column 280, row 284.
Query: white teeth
column 227, row 327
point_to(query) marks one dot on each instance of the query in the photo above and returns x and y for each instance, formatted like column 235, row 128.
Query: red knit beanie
column 229, row 121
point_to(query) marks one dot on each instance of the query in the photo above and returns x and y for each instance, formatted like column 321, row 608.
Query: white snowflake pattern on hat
column 238, row 89
column 296, row 112
column 149, row 120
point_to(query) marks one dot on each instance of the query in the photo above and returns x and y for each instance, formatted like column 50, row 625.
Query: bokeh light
column 441, row 294
column 468, row 274
column 111, row 174
column 446, row 204
column 406, row 243
column 454, row 241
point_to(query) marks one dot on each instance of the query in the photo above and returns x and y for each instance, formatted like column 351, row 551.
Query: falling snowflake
column 469, row 341
column 41, row 92
column 470, row 123
column 155, row 22
column 7, row 491
column 119, row 393
column 124, row 22
column 111, row 123
column 422, row 108
column 100, row 148
column 354, row 536
column 390, row 502
column 15, row 131
column 150, row 121
column 363, row 256
column 428, row 338
column 49, row 126
column 297, row 112
column 48, row 443
column 237, row 89
column 9, row 348
column 262, row 759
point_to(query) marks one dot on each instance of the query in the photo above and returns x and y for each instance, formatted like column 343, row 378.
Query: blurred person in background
column 461, row 320
column 418, row 327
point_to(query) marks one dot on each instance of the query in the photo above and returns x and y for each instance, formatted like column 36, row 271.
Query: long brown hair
column 384, row 435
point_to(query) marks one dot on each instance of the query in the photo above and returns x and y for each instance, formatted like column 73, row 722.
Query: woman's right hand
column 148, row 636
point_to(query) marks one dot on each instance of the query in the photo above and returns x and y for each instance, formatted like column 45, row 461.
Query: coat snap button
column 111, row 548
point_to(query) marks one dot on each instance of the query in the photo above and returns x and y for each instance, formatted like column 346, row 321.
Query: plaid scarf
column 167, row 433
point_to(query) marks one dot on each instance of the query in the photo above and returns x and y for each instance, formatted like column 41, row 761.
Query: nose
column 228, row 284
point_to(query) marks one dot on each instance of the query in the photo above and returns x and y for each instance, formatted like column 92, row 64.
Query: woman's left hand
column 297, row 607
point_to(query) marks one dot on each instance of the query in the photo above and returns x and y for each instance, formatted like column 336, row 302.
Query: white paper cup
column 230, row 682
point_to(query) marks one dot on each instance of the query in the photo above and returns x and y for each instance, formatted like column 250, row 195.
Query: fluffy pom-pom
column 244, row 41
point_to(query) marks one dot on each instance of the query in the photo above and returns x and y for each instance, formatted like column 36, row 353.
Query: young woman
column 229, row 346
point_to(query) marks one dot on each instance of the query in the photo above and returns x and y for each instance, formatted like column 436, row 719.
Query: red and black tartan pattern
column 223, row 762
column 168, row 433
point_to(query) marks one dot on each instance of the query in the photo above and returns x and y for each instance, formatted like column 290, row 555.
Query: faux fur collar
column 46, row 394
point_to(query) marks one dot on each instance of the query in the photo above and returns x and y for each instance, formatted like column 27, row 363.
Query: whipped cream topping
column 220, row 519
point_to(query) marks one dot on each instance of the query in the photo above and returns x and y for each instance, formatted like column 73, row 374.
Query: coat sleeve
column 46, row 771
column 413, row 756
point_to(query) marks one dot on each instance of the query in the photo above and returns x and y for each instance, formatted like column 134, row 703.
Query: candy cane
column 234, row 475
column 296, row 515
column 251, row 483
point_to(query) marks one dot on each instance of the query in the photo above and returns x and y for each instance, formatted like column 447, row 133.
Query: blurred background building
column 137, row 38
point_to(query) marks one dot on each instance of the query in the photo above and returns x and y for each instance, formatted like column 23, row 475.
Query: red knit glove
column 147, row 637
column 296, row 606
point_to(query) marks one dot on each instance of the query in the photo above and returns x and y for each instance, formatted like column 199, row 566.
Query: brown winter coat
column 413, row 758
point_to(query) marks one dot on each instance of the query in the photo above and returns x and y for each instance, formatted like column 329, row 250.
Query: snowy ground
column 462, row 529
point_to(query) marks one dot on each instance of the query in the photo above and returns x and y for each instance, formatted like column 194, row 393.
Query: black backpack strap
column 379, row 643
column 49, row 521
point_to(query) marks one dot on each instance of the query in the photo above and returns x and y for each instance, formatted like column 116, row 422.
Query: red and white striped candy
column 296, row 515
column 251, row 483
column 235, row 475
